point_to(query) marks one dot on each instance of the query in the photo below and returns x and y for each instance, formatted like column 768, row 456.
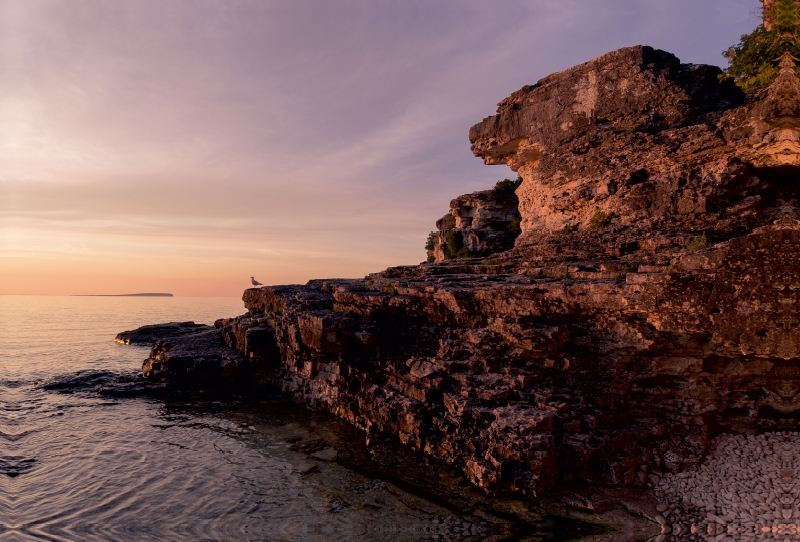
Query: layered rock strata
column 633, row 134
column 186, row 352
column 649, row 305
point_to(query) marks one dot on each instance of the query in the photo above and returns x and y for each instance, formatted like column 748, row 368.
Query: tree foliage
column 507, row 185
column 430, row 243
column 515, row 227
column 753, row 61
column 599, row 220
column 455, row 244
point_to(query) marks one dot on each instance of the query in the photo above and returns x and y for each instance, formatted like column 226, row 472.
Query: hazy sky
column 185, row 145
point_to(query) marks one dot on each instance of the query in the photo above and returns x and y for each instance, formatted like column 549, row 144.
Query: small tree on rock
column 754, row 60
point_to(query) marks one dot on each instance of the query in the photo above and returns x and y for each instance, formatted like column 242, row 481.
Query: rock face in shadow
column 523, row 375
column 148, row 335
column 194, row 354
column 649, row 305
column 481, row 221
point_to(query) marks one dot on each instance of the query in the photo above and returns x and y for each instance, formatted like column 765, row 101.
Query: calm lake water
column 80, row 466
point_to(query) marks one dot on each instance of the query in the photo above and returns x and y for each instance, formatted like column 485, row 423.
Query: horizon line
column 149, row 294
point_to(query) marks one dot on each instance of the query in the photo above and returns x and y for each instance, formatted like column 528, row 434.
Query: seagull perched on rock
column 255, row 282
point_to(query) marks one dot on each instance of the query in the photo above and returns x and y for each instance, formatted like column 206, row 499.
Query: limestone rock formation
column 191, row 353
column 147, row 335
column 631, row 134
column 649, row 305
column 480, row 221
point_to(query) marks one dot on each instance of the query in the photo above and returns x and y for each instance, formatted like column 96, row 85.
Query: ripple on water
column 12, row 466
column 77, row 466
column 135, row 471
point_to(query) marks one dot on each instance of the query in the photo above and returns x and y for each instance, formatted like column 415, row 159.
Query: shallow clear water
column 77, row 466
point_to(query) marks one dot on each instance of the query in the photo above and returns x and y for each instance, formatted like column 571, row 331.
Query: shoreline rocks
column 148, row 335
column 187, row 353
column 649, row 305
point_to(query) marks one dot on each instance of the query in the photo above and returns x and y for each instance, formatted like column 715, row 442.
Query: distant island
column 124, row 295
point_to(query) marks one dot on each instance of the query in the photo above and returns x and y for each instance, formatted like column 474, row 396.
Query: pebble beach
column 746, row 490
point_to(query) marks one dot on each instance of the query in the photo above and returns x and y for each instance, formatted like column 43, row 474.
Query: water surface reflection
column 75, row 465
column 79, row 464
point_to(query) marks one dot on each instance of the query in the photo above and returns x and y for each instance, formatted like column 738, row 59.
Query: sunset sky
column 182, row 146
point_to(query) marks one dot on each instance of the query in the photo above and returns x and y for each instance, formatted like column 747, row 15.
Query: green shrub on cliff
column 516, row 225
column 455, row 248
column 698, row 243
column 753, row 61
column 430, row 244
column 507, row 185
column 389, row 286
column 599, row 220
column 455, row 243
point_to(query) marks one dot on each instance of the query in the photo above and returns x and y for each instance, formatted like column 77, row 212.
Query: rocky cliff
column 478, row 224
column 649, row 304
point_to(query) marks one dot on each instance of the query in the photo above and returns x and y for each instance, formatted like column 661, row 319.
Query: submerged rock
column 106, row 383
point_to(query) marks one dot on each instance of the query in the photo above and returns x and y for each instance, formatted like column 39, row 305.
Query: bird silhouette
column 255, row 282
